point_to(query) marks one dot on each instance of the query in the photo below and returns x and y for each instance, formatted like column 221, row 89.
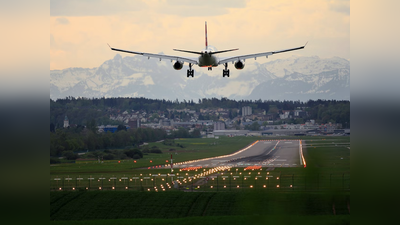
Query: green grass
column 195, row 148
column 231, row 220
column 328, row 166
column 324, row 182
column 166, row 205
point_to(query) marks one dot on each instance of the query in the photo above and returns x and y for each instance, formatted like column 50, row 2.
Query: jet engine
column 239, row 65
column 178, row 65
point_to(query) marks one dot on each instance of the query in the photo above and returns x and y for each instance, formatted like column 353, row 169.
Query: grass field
column 318, row 191
column 195, row 148
column 328, row 166
column 97, row 205
column 232, row 220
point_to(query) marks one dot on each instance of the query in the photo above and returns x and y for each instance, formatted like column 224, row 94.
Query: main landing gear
column 209, row 68
column 225, row 72
column 190, row 72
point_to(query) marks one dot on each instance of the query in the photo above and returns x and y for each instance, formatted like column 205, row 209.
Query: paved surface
column 263, row 153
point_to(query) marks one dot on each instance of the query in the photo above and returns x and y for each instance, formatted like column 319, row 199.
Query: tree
column 121, row 127
column 196, row 133
column 92, row 126
column 132, row 152
column 70, row 155
column 108, row 156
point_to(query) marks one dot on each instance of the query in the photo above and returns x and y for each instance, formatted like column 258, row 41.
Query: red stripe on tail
column 206, row 36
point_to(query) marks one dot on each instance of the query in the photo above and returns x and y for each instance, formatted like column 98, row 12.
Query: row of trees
column 124, row 103
column 81, row 139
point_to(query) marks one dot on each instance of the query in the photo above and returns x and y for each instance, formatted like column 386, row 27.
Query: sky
column 81, row 29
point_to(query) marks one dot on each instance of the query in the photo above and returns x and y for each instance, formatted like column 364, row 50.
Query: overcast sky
column 81, row 29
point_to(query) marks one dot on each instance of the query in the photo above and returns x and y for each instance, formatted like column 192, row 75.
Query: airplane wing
column 243, row 57
column 158, row 56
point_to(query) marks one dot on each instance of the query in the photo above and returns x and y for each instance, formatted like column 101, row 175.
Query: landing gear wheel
column 209, row 68
column 225, row 73
column 190, row 72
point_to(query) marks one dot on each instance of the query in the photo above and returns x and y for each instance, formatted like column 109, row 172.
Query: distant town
column 217, row 121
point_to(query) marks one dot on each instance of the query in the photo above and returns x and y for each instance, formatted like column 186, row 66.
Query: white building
column 219, row 126
column 66, row 122
column 246, row 110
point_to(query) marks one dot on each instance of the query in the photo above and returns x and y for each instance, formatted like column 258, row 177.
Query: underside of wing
column 262, row 54
column 158, row 56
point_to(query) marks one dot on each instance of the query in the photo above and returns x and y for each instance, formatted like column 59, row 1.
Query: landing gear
column 209, row 68
column 190, row 72
column 225, row 72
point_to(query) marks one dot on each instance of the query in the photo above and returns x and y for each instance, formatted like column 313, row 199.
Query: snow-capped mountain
column 294, row 78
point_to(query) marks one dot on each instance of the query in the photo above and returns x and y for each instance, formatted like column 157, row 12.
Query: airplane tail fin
column 206, row 37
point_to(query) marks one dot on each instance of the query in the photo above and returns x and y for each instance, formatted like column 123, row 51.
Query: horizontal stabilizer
column 225, row 51
column 199, row 53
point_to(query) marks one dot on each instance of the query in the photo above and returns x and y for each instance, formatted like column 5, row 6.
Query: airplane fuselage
column 207, row 60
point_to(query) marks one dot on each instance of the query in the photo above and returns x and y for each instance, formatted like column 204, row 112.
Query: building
column 109, row 128
column 219, row 126
column 134, row 123
column 246, row 110
column 66, row 122
column 230, row 133
column 165, row 122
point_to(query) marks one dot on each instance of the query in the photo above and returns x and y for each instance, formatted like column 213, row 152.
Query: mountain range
column 293, row 78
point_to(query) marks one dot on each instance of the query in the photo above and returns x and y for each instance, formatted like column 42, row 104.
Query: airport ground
column 316, row 193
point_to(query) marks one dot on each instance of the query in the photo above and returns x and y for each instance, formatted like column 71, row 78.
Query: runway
column 266, row 153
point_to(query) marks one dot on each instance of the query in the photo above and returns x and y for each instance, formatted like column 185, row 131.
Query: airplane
column 207, row 57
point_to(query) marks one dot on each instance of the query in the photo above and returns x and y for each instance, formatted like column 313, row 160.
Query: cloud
column 62, row 20
column 162, row 25
column 93, row 7
column 172, row 7
column 340, row 6
column 209, row 3
column 204, row 8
